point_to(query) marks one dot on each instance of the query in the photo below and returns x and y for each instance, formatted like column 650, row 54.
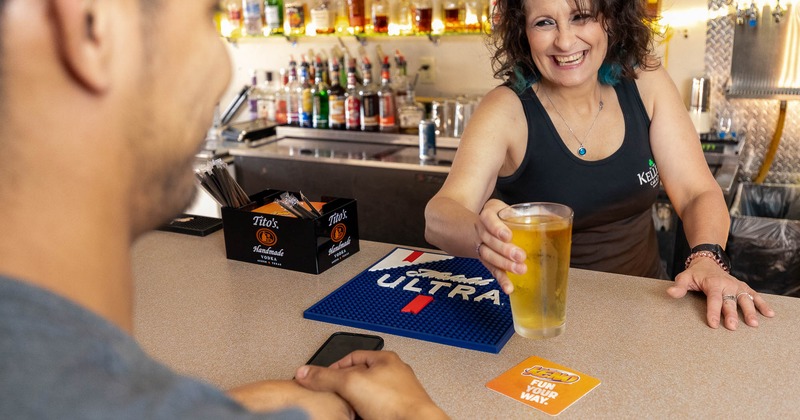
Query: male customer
column 104, row 104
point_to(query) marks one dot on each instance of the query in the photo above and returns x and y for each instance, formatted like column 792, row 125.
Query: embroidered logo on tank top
column 650, row 176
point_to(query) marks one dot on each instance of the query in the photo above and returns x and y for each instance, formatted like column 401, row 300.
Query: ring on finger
column 478, row 249
column 729, row 297
column 744, row 293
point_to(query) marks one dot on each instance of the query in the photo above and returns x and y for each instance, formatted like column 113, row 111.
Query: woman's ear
column 82, row 38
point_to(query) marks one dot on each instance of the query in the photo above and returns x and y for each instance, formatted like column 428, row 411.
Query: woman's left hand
column 724, row 293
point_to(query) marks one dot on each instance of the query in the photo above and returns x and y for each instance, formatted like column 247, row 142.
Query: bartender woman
column 587, row 117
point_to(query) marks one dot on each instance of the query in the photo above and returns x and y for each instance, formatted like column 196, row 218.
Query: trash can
column 764, row 239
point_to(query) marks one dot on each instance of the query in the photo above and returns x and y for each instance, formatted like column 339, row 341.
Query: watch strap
column 713, row 251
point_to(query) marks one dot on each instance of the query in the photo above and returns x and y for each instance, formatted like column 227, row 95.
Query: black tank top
column 612, row 198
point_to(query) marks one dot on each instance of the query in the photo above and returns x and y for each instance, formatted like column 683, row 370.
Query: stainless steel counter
column 401, row 151
column 355, row 148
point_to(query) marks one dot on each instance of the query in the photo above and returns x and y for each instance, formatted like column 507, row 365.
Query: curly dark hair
column 630, row 41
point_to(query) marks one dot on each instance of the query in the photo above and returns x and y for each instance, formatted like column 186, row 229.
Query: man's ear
column 82, row 37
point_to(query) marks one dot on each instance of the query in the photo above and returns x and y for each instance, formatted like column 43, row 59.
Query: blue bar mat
column 468, row 308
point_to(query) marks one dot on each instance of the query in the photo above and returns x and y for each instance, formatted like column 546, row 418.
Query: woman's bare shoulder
column 656, row 86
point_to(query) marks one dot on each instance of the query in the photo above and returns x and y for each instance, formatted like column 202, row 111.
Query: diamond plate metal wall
column 755, row 118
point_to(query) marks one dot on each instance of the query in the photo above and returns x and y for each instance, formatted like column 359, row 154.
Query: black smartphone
column 340, row 344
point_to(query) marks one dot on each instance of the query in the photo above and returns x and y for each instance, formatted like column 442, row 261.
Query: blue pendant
column 582, row 151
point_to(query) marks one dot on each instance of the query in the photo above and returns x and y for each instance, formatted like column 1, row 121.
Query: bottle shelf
column 362, row 38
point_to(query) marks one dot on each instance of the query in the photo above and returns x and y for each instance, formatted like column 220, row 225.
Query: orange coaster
column 543, row 385
column 276, row 209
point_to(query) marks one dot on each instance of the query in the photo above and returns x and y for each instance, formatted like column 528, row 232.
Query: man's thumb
column 316, row 378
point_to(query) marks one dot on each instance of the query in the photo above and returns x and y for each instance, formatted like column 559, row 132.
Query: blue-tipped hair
column 609, row 74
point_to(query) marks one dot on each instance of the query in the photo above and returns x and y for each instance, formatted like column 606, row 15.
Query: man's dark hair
column 630, row 41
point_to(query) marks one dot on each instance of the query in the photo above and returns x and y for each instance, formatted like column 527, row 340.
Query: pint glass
column 539, row 299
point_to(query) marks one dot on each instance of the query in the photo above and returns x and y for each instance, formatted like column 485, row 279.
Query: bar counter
column 231, row 322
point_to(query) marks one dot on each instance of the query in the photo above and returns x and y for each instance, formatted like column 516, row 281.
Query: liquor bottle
column 294, row 17
column 233, row 25
column 402, row 18
column 368, row 94
column 492, row 16
column 342, row 20
column 322, row 16
column 290, row 93
column 320, row 105
column 253, row 17
column 280, row 98
column 254, row 97
column 308, row 67
column 452, row 19
column 400, row 77
column 273, row 17
column 352, row 102
column 355, row 11
column 267, row 105
column 410, row 112
column 336, row 99
column 323, row 65
column 423, row 16
column 380, row 16
column 304, row 97
column 473, row 15
column 386, row 101
column 214, row 133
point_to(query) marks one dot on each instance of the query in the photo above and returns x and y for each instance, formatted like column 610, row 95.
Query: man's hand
column 376, row 383
column 276, row 395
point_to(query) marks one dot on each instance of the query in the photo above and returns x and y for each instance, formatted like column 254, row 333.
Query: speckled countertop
column 231, row 322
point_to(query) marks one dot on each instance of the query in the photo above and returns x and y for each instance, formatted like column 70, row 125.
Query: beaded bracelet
column 708, row 254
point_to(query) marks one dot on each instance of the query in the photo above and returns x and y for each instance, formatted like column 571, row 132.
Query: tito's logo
column 266, row 237
column 552, row 375
column 338, row 232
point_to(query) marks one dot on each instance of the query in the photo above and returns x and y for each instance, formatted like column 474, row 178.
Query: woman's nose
column 566, row 37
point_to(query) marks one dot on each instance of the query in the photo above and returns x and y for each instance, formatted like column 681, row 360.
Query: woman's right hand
column 495, row 249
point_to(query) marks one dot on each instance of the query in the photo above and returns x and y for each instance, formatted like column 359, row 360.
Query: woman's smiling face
column 568, row 44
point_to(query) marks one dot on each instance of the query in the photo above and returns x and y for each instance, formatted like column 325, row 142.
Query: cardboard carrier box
column 262, row 232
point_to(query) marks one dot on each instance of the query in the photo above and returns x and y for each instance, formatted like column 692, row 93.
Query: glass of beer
column 539, row 299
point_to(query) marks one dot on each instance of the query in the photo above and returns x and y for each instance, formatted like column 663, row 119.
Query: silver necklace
column 581, row 149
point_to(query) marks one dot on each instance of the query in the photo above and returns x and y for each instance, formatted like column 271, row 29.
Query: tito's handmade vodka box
column 285, row 241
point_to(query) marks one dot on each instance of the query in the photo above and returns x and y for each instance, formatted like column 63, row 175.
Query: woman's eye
column 544, row 24
column 583, row 18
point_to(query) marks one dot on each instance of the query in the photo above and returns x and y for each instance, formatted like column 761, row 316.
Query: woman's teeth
column 570, row 59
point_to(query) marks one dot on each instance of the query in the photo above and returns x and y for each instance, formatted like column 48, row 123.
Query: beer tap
column 777, row 13
column 740, row 14
column 752, row 15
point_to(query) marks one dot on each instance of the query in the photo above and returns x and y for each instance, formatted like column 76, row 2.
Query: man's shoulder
column 62, row 361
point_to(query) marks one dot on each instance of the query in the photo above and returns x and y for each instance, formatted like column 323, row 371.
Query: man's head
column 104, row 104
column 117, row 95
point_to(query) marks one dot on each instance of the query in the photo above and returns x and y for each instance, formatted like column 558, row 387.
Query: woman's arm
column 493, row 144
column 692, row 189
column 698, row 200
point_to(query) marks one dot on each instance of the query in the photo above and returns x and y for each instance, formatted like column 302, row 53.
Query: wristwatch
column 713, row 251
